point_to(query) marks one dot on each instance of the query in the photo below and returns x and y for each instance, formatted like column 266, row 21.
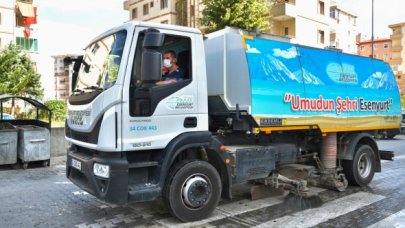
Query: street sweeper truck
column 234, row 107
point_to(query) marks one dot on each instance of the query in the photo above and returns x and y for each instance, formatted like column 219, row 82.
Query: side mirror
column 151, row 66
column 78, row 62
column 76, row 67
column 153, row 39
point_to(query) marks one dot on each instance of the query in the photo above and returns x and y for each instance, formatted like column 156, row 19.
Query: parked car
column 6, row 116
column 387, row 134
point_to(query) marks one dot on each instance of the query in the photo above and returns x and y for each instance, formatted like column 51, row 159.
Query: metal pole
column 372, row 29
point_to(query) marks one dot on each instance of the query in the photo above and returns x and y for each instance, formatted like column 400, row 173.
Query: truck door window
column 176, row 74
column 178, row 45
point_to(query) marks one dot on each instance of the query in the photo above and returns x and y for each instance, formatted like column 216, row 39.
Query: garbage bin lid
column 32, row 101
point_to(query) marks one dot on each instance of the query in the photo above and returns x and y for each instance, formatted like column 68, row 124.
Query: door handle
column 190, row 122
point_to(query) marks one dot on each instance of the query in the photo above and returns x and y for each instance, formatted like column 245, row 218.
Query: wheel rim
column 196, row 191
column 364, row 166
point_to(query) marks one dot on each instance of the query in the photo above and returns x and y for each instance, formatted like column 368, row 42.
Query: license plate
column 76, row 164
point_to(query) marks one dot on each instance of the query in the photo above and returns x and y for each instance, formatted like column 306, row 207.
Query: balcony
column 126, row 5
column 396, row 49
column 283, row 12
column 395, row 61
column 396, row 36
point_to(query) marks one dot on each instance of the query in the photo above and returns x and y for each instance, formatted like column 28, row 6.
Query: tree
column 58, row 108
column 17, row 74
column 245, row 14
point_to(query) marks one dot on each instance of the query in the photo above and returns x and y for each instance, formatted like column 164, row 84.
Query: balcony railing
column 396, row 36
column 396, row 49
column 395, row 60
column 126, row 5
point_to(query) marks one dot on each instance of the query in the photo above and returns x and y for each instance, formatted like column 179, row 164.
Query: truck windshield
column 101, row 63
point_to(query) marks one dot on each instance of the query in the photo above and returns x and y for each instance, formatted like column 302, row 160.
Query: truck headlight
column 101, row 170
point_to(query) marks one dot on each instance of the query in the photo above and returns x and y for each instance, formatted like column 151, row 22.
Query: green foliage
column 58, row 108
column 17, row 74
column 245, row 14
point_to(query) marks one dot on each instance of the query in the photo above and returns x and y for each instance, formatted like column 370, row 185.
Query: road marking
column 63, row 182
column 76, row 193
column 329, row 210
column 230, row 210
column 396, row 220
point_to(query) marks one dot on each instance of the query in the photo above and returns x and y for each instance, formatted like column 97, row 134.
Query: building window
column 27, row 44
column 146, row 9
column 375, row 46
column 361, row 47
column 321, row 37
column 385, row 45
column 385, row 57
column 151, row 4
column 285, row 31
column 332, row 14
column 164, row 4
column 134, row 13
column 375, row 56
column 164, row 22
column 321, row 7
column 0, row 18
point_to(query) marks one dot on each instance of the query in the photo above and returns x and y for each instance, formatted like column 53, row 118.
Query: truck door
column 155, row 112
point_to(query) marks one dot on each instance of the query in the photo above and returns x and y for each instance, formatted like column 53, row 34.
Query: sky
column 67, row 26
column 386, row 12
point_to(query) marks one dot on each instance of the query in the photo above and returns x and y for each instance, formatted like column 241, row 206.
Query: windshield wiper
column 94, row 88
column 78, row 91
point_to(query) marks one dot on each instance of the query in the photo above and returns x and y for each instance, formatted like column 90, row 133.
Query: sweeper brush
column 302, row 203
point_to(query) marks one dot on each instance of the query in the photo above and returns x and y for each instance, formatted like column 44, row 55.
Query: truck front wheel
column 360, row 171
column 192, row 190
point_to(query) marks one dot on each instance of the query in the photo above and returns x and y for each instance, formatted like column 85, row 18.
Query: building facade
column 18, row 25
column 382, row 48
column 306, row 22
column 317, row 23
column 180, row 12
column 7, row 22
column 343, row 29
column 62, row 76
column 397, row 61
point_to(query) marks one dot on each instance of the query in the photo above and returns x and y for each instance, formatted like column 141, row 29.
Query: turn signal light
column 222, row 148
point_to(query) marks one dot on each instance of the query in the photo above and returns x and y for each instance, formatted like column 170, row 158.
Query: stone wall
column 58, row 142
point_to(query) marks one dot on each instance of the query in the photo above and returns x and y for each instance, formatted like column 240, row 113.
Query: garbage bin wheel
column 25, row 165
column 45, row 163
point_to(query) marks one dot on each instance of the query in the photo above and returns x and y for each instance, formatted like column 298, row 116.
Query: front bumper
column 113, row 189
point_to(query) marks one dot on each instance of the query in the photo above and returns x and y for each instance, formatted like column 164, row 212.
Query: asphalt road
column 43, row 197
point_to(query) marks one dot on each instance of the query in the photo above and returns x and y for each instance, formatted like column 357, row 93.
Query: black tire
column 360, row 171
column 184, row 178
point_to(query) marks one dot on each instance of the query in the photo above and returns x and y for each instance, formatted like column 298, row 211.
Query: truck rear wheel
column 192, row 190
column 360, row 171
